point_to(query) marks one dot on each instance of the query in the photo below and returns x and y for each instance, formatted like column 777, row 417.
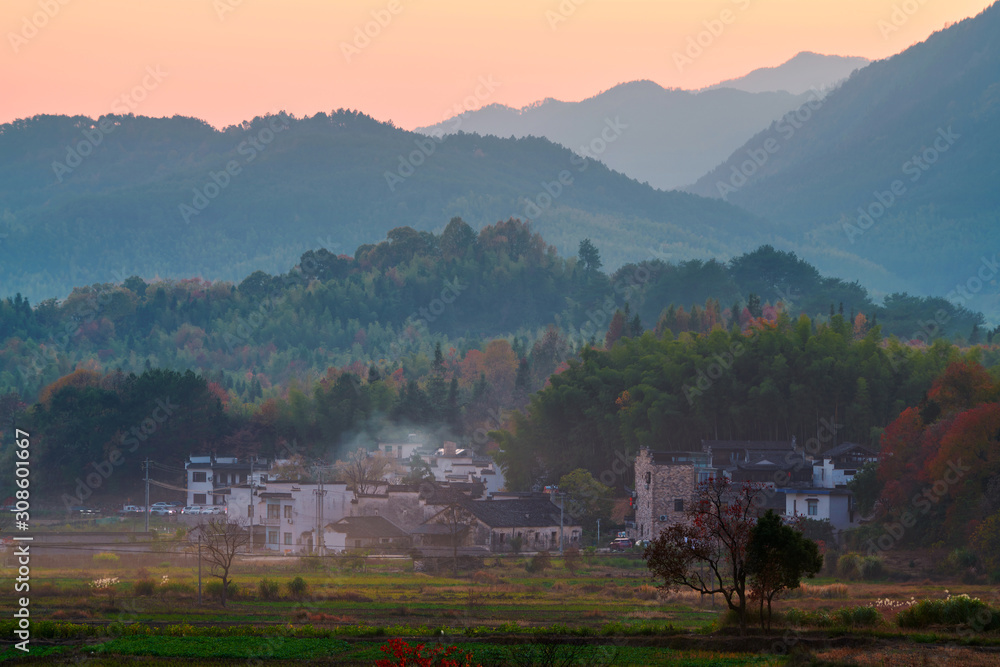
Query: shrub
column 871, row 567
column 106, row 558
column 539, row 562
column 855, row 566
column 267, row 589
column 962, row 558
column 484, row 577
column 516, row 543
column 860, row 616
column 297, row 587
column 849, row 565
column 214, row 589
column 178, row 588
column 144, row 587
column 955, row 610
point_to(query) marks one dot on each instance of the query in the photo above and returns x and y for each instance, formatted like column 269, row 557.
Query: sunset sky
column 228, row 60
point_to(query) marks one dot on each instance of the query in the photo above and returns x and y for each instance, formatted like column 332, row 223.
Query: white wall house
column 402, row 451
column 286, row 515
column 836, row 467
column 836, row 505
column 209, row 478
column 453, row 464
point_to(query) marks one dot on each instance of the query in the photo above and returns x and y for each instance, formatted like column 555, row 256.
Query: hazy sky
column 227, row 60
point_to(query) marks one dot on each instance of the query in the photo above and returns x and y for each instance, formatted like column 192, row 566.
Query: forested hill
column 86, row 201
column 927, row 120
column 391, row 304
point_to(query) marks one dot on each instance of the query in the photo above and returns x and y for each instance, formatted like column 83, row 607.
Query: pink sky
column 228, row 60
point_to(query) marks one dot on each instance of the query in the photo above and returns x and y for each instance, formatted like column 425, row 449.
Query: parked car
column 215, row 509
column 191, row 509
column 131, row 509
column 621, row 544
column 154, row 505
column 79, row 509
column 162, row 511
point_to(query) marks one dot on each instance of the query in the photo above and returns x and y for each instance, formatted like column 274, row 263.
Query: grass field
column 608, row 612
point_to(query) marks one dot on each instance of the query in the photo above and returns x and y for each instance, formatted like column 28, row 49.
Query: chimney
column 450, row 448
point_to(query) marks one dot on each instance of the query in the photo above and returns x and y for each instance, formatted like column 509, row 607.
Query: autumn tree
column 708, row 551
column 615, row 330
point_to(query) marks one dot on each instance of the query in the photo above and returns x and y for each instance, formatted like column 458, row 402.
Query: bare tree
column 459, row 519
column 708, row 552
column 224, row 537
column 365, row 471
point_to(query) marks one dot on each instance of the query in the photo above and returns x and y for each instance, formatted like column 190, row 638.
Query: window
column 357, row 544
column 288, row 511
column 250, row 511
column 274, row 511
column 704, row 477
column 197, row 477
column 288, row 539
column 272, row 537
column 813, row 507
column 678, row 504
column 222, row 478
column 555, row 537
column 649, row 477
column 199, row 499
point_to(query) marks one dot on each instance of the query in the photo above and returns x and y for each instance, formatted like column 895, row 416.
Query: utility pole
column 320, row 493
column 199, row 567
column 253, row 505
column 147, row 496
column 561, row 496
column 598, row 533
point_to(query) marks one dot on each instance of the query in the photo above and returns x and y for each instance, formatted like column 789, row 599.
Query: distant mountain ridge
column 895, row 171
column 806, row 71
column 175, row 198
column 674, row 136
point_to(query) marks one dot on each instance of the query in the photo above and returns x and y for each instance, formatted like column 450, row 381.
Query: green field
column 606, row 612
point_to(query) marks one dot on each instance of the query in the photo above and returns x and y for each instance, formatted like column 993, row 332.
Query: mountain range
column 894, row 172
column 672, row 136
column 96, row 200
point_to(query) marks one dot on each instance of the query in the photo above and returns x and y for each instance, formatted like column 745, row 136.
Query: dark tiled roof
column 368, row 526
column 678, row 458
column 845, row 447
column 760, row 445
column 522, row 512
